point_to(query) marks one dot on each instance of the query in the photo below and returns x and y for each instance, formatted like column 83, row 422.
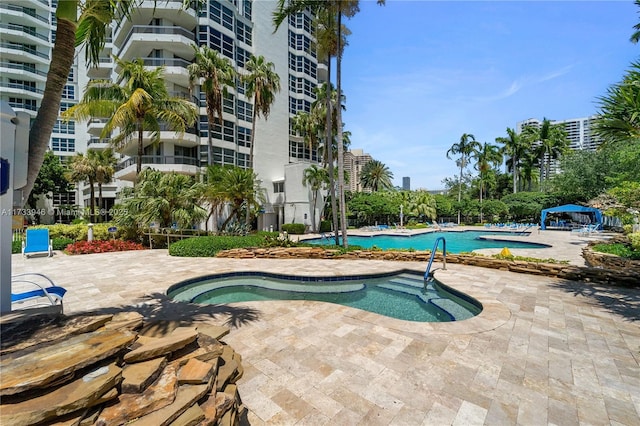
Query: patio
column 543, row 351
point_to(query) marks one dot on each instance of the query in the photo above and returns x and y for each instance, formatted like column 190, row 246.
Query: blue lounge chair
column 37, row 241
column 37, row 289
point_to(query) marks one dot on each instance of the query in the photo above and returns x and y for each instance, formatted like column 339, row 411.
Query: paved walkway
column 543, row 351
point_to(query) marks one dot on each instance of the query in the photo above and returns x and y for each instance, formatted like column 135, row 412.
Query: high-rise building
column 406, row 183
column 163, row 34
column 579, row 132
column 354, row 161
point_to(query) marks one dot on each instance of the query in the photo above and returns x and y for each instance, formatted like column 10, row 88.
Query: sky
column 419, row 74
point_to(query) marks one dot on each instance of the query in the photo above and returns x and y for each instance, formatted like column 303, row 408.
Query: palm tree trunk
column 59, row 68
column 140, row 149
column 460, row 188
column 515, row 176
column 313, row 211
column 100, row 206
column 253, row 132
column 481, row 187
column 343, row 212
column 92, row 201
column 328, row 146
column 210, row 119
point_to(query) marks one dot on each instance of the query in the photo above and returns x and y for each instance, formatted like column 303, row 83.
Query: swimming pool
column 457, row 241
column 399, row 295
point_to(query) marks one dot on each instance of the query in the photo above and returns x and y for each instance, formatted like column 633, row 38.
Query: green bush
column 77, row 232
column 16, row 247
column 617, row 249
column 293, row 228
column 209, row 246
column 61, row 243
column 635, row 241
column 325, row 226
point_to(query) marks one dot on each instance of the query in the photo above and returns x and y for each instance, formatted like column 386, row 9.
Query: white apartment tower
column 164, row 33
column 578, row 132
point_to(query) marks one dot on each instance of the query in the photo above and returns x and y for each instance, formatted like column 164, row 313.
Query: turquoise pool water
column 401, row 295
column 457, row 241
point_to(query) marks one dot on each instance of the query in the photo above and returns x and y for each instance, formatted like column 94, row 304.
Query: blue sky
column 419, row 74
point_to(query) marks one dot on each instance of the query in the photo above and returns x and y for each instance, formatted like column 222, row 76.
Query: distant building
column 354, row 160
column 578, row 131
column 406, row 183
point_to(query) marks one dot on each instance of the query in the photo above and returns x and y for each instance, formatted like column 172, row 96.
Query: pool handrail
column 428, row 273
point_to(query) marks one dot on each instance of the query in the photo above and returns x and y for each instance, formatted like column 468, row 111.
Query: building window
column 247, row 9
column 228, row 103
column 63, row 144
column 68, row 128
column 69, row 92
column 243, row 33
column 296, row 105
column 223, row 156
column 243, row 160
column 244, row 111
column 244, row 137
column 300, row 150
column 242, row 56
column 278, row 187
column 216, row 40
column 227, row 133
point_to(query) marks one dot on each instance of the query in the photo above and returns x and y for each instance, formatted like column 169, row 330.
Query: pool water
column 402, row 296
column 457, row 241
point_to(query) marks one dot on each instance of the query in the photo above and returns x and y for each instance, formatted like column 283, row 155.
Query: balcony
column 98, row 143
column 23, row 30
column 18, row 88
column 22, row 70
column 126, row 170
column 189, row 138
column 25, row 11
column 16, row 51
column 142, row 39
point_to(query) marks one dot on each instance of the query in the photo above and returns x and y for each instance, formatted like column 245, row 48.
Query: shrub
column 293, row 228
column 209, row 246
column 16, row 247
column 77, row 232
column 87, row 247
column 635, row 241
column 61, row 243
column 618, row 249
column 325, row 226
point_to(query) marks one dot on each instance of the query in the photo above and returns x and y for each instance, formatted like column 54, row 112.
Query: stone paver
column 542, row 351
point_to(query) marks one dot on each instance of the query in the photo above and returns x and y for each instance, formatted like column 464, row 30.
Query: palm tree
column 635, row 37
column 240, row 187
column 164, row 198
column 514, row 147
column 487, row 158
column 421, row 203
column 529, row 164
column 317, row 178
column 553, row 142
column 618, row 118
column 82, row 169
column 212, row 192
column 137, row 102
column 88, row 31
column 376, row 176
column 328, row 10
column 465, row 147
column 214, row 73
column 104, row 164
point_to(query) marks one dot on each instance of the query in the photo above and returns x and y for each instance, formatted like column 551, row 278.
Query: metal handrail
column 428, row 274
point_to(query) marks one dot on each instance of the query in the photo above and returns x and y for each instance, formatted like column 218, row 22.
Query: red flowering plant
column 106, row 246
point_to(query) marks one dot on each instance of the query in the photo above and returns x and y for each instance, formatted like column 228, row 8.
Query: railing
column 428, row 273
column 23, row 48
column 25, row 10
column 24, row 29
column 168, row 62
column 22, row 67
column 24, row 87
column 22, row 105
column 159, row 159
column 93, row 141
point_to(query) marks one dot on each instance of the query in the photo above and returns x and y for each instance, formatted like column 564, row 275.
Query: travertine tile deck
column 543, row 351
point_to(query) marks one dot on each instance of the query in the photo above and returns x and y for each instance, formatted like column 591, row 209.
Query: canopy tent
column 594, row 214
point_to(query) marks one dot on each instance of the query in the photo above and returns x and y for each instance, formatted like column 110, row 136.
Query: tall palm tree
column 89, row 30
column 137, row 102
column 376, row 176
column 465, row 147
column 635, row 37
column 211, row 192
column 262, row 84
column 82, row 169
column 552, row 142
column 330, row 9
column 214, row 73
column 529, row 165
column 104, row 164
column 317, row 178
column 487, row 157
column 514, row 147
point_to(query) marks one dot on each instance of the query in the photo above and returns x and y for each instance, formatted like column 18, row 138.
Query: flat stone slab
column 186, row 397
column 179, row 338
column 195, row 372
column 47, row 364
column 130, row 406
column 125, row 320
column 138, row 376
column 81, row 393
column 215, row 331
column 191, row 417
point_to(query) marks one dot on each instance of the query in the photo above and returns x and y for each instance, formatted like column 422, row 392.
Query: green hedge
column 57, row 243
column 325, row 226
column 209, row 246
column 77, row 232
column 293, row 228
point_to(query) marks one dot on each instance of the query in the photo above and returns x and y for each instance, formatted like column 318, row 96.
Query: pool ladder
column 428, row 273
